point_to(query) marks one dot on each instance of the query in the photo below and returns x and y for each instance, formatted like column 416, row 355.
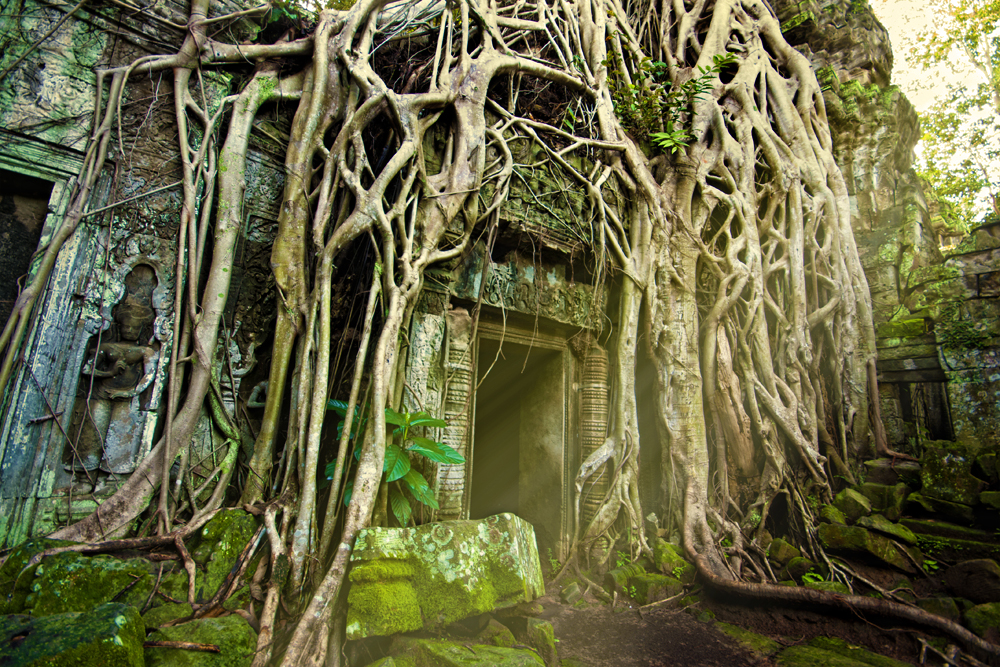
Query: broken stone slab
column 542, row 638
column 946, row 472
column 984, row 620
column 781, row 552
column 669, row 559
column 648, row 588
column 944, row 509
column 403, row 579
column 977, row 580
column 943, row 607
column 110, row 634
column 852, row 504
column 880, row 524
column 830, row 514
column 858, row 541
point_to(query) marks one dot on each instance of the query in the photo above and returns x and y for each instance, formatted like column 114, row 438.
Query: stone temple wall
column 937, row 319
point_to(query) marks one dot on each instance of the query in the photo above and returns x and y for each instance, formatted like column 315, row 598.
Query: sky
column 904, row 19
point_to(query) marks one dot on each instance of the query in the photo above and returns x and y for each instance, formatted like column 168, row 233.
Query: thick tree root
column 855, row 604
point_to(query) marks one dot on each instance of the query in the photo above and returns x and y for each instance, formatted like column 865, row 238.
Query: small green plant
column 622, row 559
column 930, row 566
column 632, row 593
column 679, row 103
column 404, row 481
column 812, row 577
column 554, row 563
column 678, row 571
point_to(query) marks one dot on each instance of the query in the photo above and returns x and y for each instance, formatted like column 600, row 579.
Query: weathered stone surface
column 944, row 509
column 439, row 653
column 880, row 524
column 810, row 656
column 797, row 567
column 781, row 552
column 943, row 607
column 70, row 581
column 984, row 620
column 110, row 635
column 15, row 580
column 886, row 499
column 991, row 499
column 653, row 587
column 157, row 616
column 406, row 578
column 669, row 558
column 571, row 593
column 496, row 634
column 759, row 644
column 831, row 586
column 830, row 514
column 889, row 471
column 852, row 504
column 858, row 541
column 220, row 543
column 976, row 580
column 234, row 637
column 542, row 638
column 946, row 473
column 843, row 648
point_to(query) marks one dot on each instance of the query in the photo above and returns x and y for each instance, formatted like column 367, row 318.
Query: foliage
column 812, row 577
column 956, row 332
column 397, row 470
column 961, row 135
column 650, row 101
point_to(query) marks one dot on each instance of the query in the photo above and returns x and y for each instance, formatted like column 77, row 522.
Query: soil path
column 596, row 636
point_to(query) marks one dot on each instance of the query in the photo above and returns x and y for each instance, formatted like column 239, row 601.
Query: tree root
column 855, row 604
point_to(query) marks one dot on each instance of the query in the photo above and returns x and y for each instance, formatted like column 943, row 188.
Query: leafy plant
column 679, row 102
column 930, row 565
column 405, row 482
column 622, row 559
column 554, row 563
column 678, row 571
column 812, row 577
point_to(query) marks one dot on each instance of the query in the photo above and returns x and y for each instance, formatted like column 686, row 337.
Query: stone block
column 880, row 524
column 976, row 580
column 852, row 504
column 235, row 638
column 441, row 653
column 943, row 607
column 991, row 499
column 829, row 586
column 984, row 620
column 654, row 587
column 946, row 473
column 542, row 638
column 854, row 540
column 781, row 552
column 110, row 635
column 432, row 575
column 830, row 514
column 669, row 559
column 891, row 472
column 886, row 499
column 942, row 508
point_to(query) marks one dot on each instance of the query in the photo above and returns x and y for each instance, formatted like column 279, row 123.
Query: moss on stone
column 234, row 637
column 669, row 559
column 110, row 635
column 647, row 588
column 441, row 653
column 781, row 552
column 166, row 613
column 542, row 638
column 830, row 586
column 810, row 656
column 382, row 608
column 751, row 641
column 70, row 581
column 496, row 634
column 220, row 543
column 15, row 580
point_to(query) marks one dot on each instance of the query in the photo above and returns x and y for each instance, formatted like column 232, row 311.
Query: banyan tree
column 657, row 179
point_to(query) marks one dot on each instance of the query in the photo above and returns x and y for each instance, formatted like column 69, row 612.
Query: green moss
column 759, row 644
column 15, row 580
column 652, row 587
column 382, row 608
column 864, row 656
column 166, row 613
column 234, row 637
column 70, row 581
column 221, row 541
column 796, row 21
column 440, row 653
column 109, row 635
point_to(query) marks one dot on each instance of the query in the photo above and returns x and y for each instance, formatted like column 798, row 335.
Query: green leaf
column 436, row 451
column 429, row 422
column 330, row 469
column 348, row 491
column 397, row 463
column 395, row 418
column 400, row 506
column 340, row 407
column 418, row 486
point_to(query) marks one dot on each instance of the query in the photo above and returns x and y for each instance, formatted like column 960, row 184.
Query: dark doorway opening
column 518, row 452
column 24, row 205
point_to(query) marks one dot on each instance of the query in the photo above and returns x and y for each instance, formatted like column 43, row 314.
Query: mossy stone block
column 669, row 559
column 862, row 655
column 991, row 499
column 617, row 579
column 653, row 587
column 109, row 635
column 571, row 593
column 166, row 613
column 221, row 541
column 810, row 656
column 858, row 541
column 441, row 653
column 459, row 569
column 852, row 504
column 891, row 472
column 751, row 641
column 943, row 509
column 943, row 607
column 881, row 524
column 15, row 579
column 946, row 473
column 542, row 638
column 977, row 580
column 70, row 581
column 235, row 638
column 496, row 634
column 886, row 499
column 984, row 620
column 781, row 552
column 797, row 567
column 830, row 514
column 830, row 586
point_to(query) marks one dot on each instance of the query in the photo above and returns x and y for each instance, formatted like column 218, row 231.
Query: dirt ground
column 598, row 636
